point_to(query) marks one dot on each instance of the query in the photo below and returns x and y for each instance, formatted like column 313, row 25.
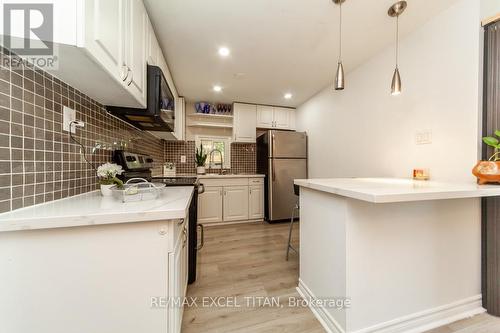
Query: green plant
column 201, row 156
column 495, row 143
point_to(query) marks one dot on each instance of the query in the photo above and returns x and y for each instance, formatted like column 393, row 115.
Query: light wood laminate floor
column 247, row 260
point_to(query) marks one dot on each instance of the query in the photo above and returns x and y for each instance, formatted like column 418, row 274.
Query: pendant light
column 339, row 76
column 397, row 9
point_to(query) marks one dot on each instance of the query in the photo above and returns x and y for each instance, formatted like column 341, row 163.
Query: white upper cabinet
column 153, row 49
column 105, row 35
column 275, row 117
column 135, row 46
column 102, row 48
column 244, row 122
column 265, row 116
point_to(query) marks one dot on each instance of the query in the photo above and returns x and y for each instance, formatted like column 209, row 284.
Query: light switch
column 183, row 159
column 423, row 137
column 69, row 115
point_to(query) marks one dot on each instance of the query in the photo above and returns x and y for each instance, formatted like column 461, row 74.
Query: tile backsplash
column 243, row 157
column 38, row 160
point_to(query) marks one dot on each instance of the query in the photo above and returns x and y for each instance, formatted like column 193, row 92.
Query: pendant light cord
column 340, row 32
column 397, row 40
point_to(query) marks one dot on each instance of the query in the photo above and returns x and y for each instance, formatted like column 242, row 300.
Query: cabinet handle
column 250, row 191
column 184, row 231
column 124, row 72
column 202, row 237
column 131, row 77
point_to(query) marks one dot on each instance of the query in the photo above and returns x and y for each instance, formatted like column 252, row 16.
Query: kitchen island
column 94, row 264
column 406, row 254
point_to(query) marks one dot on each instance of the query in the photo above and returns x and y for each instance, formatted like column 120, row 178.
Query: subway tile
column 4, row 87
column 5, row 154
column 5, row 167
column 4, row 206
column 4, row 114
column 17, row 203
column 17, row 179
column 5, row 180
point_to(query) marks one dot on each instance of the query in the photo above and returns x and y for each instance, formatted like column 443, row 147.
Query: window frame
column 227, row 149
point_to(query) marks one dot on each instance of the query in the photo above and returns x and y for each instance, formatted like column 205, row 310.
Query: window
column 210, row 143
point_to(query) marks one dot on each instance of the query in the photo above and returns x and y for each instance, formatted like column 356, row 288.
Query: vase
column 200, row 170
column 487, row 172
column 106, row 190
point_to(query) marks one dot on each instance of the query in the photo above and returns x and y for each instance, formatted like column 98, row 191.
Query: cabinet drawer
column 255, row 181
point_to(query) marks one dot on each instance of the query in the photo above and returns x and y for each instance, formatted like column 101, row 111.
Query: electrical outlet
column 69, row 115
column 423, row 137
column 183, row 159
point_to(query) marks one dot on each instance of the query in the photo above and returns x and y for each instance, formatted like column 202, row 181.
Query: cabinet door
column 265, row 118
column 244, row 122
column 104, row 35
column 235, row 203
column 210, row 205
column 282, row 118
column 291, row 114
column 256, row 202
column 176, row 284
column 136, row 49
column 153, row 46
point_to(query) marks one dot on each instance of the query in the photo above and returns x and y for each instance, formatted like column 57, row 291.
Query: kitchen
column 219, row 122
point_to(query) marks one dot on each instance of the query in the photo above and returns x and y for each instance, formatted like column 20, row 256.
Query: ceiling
column 277, row 46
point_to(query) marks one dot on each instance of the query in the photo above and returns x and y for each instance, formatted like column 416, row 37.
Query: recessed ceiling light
column 217, row 88
column 288, row 96
column 224, row 51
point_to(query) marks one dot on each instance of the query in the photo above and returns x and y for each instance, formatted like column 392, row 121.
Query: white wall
column 364, row 131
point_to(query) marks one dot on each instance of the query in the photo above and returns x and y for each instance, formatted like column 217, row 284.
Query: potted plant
column 201, row 158
column 107, row 177
column 489, row 171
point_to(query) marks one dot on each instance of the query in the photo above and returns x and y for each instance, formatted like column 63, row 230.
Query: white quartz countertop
column 386, row 190
column 94, row 209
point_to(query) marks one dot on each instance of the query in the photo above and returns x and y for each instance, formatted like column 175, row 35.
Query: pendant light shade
column 396, row 83
column 339, row 76
column 397, row 9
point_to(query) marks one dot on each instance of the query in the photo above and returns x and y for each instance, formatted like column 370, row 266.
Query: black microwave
column 160, row 112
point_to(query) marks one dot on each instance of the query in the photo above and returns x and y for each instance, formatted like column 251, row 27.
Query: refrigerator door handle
column 273, row 173
column 273, row 141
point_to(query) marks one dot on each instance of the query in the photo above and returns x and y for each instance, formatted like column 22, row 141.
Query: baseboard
column 323, row 316
column 414, row 323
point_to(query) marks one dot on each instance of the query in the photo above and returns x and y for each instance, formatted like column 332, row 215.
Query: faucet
column 221, row 172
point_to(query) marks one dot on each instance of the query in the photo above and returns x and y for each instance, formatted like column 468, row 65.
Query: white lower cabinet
column 178, row 277
column 256, row 202
column 235, row 206
column 210, row 205
column 231, row 200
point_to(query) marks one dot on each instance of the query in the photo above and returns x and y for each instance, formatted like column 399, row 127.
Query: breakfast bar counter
column 406, row 254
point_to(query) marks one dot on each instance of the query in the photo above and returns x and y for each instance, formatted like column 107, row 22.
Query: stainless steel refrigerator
column 282, row 157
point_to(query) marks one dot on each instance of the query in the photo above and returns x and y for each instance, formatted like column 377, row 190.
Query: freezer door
column 286, row 144
column 282, row 199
